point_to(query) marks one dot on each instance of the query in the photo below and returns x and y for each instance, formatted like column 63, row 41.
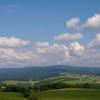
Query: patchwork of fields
column 70, row 78
column 58, row 94
column 67, row 78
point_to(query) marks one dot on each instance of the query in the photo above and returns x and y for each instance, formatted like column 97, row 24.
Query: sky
column 49, row 32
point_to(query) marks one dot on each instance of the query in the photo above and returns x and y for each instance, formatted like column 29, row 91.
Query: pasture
column 70, row 94
column 11, row 96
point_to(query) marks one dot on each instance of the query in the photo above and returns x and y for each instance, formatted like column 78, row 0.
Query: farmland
column 69, row 78
column 70, row 94
column 60, row 94
column 11, row 96
column 66, row 86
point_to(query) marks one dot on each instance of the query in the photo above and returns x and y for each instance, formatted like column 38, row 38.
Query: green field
column 61, row 94
column 11, row 96
column 70, row 94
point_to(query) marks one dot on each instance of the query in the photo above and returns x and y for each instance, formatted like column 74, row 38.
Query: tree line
column 28, row 91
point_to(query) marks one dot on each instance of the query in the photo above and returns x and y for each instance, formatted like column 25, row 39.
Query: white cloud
column 88, row 58
column 93, row 22
column 94, row 43
column 68, row 36
column 46, row 54
column 75, row 49
column 72, row 23
column 13, row 42
column 42, row 44
column 76, row 46
column 54, row 54
column 74, row 54
column 42, row 54
column 9, row 57
column 98, row 36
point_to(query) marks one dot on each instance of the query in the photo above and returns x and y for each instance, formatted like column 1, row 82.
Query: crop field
column 70, row 94
column 11, row 96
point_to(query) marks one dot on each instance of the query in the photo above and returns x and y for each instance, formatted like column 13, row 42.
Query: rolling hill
column 39, row 73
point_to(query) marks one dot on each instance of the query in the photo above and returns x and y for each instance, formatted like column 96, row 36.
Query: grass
column 11, row 96
column 15, row 82
column 60, row 94
column 70, row 94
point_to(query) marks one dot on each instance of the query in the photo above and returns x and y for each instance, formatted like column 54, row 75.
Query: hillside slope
column 38, row 73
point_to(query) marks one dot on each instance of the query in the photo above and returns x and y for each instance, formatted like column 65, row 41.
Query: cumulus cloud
column 75, row 49
column 54, row 54
column 68, row 36
column 13, row 42
column 41, row 54
column 14, row 54
column 45, row 54
column 95, row 43
column 76, row 46
column 73, row 22
column 93, row 22
column 10, row 56
column 73, row 54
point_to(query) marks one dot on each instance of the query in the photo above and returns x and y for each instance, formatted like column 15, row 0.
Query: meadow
column 59, row 94
column 70, row 94
column 11, row 96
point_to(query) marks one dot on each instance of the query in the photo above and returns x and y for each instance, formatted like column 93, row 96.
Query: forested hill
column 37, row 73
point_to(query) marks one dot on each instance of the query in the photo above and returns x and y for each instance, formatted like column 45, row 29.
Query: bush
column 26, row 92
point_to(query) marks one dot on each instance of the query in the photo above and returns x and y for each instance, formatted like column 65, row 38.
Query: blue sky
column 39, row 21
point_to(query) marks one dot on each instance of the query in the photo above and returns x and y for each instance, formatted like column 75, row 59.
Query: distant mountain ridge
column 38, row 73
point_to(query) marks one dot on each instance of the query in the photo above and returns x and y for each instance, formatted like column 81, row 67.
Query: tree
column 26, row 92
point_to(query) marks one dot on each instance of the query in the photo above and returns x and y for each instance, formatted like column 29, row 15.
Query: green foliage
column 13, row 88
column 53, row 86
column 26, row 92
